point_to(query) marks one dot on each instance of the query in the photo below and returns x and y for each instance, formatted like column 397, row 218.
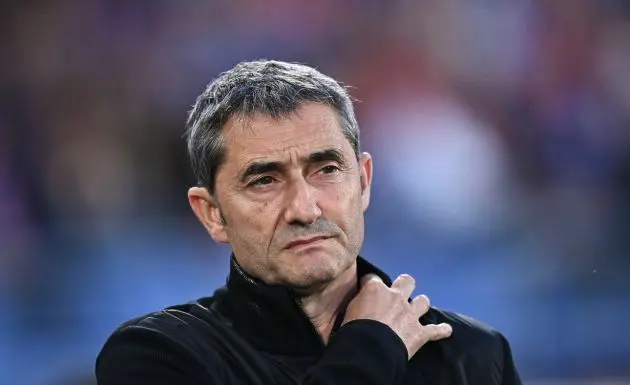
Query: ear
column 365, row 167
column 208, row 212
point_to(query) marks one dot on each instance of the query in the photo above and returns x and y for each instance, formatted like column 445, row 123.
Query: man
column 275, row 148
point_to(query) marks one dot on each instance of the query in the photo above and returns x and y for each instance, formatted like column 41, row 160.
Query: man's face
column 293, row 194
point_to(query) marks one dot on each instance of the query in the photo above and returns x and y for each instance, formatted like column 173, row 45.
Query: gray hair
column 270, row 87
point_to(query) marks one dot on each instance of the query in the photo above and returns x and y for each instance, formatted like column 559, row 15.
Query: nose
column 302, row 207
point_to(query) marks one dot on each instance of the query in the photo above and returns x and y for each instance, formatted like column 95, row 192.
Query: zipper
column 243, row 274
column 298, row 304
column 296, row 301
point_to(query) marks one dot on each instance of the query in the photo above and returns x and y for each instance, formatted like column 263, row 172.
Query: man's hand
column 390, row 306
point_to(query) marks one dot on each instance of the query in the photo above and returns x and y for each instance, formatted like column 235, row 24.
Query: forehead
column 311, row 127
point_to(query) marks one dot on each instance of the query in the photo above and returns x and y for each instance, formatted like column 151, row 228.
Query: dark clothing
column 252, row 333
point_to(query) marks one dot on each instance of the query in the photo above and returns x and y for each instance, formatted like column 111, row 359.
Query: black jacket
column 252, row 333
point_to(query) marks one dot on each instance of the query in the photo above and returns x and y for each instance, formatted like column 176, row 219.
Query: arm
column 379, row 334
column 363, row 352
column 138, row 355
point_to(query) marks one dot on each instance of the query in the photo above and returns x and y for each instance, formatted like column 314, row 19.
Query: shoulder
column 476, row 350
column 171, row 337
column 171, row 322
column 473, row 341
column 468, row 332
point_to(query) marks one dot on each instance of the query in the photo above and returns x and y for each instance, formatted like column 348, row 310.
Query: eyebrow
column 258, row 168
column 328, row 155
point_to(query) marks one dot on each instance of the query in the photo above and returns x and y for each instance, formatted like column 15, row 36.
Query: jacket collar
column 270, row 317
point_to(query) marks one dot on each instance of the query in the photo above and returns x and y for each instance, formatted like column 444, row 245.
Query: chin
column 309, row 275
column 315, row 269
column 309, row 284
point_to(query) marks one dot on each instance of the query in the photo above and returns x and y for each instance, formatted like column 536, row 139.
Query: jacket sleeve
column 137, row 355
column 362, row 352
column 510, row 372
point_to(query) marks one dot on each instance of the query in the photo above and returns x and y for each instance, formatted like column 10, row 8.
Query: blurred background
column 500, row 132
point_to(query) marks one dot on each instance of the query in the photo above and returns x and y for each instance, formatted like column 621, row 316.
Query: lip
column 306, row 241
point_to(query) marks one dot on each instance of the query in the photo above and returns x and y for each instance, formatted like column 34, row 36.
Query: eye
column 263, row 181
column 329, row 169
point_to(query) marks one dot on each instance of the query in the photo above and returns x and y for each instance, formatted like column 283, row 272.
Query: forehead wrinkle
column 315, row 134
column 294, row 154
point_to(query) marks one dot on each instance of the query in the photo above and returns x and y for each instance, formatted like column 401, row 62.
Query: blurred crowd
column 500, row 132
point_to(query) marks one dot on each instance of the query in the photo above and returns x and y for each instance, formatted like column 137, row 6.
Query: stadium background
column 500, row 132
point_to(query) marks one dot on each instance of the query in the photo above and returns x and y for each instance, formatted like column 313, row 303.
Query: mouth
column 304, row 242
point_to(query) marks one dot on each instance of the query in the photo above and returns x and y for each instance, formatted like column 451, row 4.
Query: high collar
column 270, row 317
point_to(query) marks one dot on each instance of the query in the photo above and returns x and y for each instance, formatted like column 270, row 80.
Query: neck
column 324, row 306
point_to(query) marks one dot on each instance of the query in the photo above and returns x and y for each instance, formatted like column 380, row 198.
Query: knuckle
column 428, row 331
column 372, row 286
column 422, row 302
column 394, row 296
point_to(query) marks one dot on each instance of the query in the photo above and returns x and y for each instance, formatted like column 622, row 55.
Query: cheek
column 344, row 206
column 255, row 224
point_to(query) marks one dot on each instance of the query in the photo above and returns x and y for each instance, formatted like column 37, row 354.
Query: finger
column 370, row 278
column 421, row 304
column 405, row 284
column 437, row 332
